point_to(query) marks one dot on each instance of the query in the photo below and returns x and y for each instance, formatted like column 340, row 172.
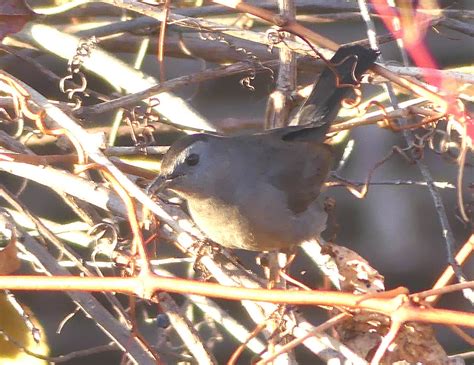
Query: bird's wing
column 301, row 173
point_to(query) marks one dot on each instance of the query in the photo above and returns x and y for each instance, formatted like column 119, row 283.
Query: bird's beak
column 161, row 183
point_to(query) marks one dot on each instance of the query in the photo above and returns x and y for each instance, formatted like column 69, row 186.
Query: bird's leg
column 332, row 227
column 204, row 248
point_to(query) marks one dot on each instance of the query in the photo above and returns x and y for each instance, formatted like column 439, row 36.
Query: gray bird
column 259, row 191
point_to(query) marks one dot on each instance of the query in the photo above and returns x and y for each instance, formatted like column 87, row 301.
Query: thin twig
column 185, row 330
column 161, row 42
column 169, row 85
column 461, row 257
column 91, row 306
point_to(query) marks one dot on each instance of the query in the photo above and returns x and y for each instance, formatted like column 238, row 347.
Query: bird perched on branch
column 260, row 191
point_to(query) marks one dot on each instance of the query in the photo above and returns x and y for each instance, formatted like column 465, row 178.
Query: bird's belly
column 266, row 226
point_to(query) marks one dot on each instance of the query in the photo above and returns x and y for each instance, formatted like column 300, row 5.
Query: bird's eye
column 192, row 159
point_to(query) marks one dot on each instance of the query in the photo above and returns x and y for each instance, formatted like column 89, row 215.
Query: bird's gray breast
column 257, row 219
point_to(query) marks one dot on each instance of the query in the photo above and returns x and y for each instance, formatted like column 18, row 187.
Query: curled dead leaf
column 9, row 261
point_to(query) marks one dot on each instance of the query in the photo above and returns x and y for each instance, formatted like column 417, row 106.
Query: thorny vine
column 434, row 128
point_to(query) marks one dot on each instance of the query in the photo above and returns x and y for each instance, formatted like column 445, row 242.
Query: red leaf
column 14, row 14
column 470, row 129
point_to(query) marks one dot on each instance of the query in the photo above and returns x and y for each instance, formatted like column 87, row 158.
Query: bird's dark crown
column 171, row 156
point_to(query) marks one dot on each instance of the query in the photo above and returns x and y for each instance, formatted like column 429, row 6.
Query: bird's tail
column 335, row 84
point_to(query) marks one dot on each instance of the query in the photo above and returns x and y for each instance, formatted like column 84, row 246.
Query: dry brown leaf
column 359, row 276
column 9, row 261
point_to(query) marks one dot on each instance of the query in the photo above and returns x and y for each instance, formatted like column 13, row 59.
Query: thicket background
column 395, row 228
